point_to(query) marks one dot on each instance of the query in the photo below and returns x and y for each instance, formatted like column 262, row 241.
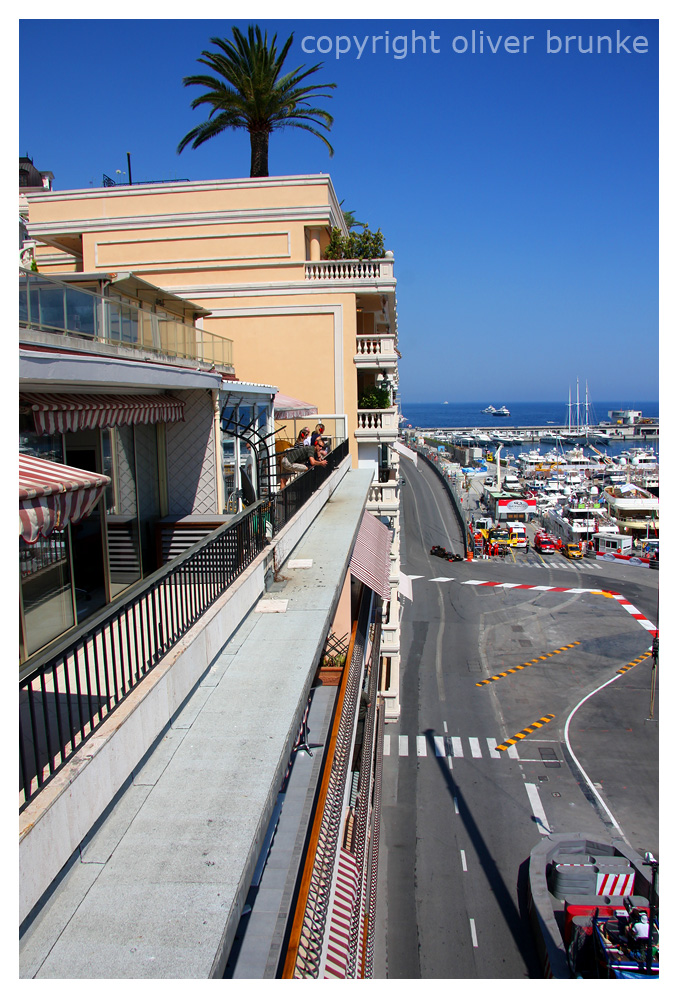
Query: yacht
column 503, row 411
column 489, row 409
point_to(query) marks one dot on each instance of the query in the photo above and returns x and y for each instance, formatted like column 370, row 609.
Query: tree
column 249, row 92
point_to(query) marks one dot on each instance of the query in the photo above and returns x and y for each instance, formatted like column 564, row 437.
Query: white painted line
column 442, row 579
column 463, row 860
column 571, row 751
column 403, row 745
column 492, row 743
column 537, row 810
column 473, row 932
column 512, row 752
column 446, row 727
column 455, row 806
column 386, row 746
column 421, row 745
column 439, row 745
column 457, row 745
column 450, row 759
column 415, row 577
column 475, row 748
column 508, row 586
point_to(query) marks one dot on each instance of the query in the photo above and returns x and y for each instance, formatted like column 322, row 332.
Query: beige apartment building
column 250, row 253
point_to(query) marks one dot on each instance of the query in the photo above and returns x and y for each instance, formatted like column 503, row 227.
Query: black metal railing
column 66, row 692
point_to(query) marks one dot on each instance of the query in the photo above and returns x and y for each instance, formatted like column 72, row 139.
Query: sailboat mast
column 578, row 414
column 570, row 409
column 586, row 411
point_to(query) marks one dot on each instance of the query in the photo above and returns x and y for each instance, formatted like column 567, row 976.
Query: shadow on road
column 512, row 912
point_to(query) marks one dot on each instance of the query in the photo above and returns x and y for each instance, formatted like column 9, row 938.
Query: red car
column 543, row 544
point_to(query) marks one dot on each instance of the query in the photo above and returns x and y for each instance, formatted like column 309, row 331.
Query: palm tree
column 250, row 93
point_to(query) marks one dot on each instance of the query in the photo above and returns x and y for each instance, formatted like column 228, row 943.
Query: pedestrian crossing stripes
column 452, row 746
column 529, row 662
column 525, row 732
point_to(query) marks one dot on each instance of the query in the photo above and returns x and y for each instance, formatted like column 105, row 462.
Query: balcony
column 376, row 352
column 383, row 498
column 379, row 425
column 50, row 306
column 350, row 271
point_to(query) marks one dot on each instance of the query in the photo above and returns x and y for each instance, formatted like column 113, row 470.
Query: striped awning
column 346, row 889
column 371, row 556
column 52, row 496
column 59, row 414
column 288, row 408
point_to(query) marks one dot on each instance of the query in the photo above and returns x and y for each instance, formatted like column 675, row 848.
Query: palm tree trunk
column 259, row 154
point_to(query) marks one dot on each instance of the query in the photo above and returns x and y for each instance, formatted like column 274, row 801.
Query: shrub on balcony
column 375, row 398
column 364, row 245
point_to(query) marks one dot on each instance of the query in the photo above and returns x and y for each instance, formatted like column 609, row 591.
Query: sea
column 552, row 415
column 522, row 414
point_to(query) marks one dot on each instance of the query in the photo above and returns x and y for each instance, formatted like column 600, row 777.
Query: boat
column 503, row 411
column 489, row 409
column 586, row 899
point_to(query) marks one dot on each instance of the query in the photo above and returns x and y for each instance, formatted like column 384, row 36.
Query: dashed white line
column 439, row 745
column 403, row 745
column 492, row 743
column 455, row 806
column 457, row 745
column 463, row 860
column 473, row 932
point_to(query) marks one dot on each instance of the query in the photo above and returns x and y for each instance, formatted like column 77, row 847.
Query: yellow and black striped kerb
column 639, row 659
column 525, row 732
column 530, row 662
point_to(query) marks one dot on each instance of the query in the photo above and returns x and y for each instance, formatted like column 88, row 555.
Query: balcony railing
column 349, row 270
column 374, row 420
column 53, row 306
column 377, row 349
column 68, row 691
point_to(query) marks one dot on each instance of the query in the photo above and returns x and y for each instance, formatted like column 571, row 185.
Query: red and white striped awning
column 346, row 890
column 371, row 556
column 59, row 414
column 52, row 496
column 288, row 408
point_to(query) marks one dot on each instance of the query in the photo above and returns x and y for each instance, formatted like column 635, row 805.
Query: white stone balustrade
column 349, row 270
column 376, row 351
column 381, row 423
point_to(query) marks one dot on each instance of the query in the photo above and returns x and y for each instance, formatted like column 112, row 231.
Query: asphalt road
column 459, row 817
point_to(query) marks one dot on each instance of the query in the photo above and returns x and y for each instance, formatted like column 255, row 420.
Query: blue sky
column 518, row 190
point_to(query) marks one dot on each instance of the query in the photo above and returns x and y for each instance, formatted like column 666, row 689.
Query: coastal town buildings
column 173, row 337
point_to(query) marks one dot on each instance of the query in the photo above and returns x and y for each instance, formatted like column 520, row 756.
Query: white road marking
column 439, row 745
column 463, row 860
column 446, row 727
column 512, row 752
column 475, row 748
column 442, row 579
column 457, row 745
column 492, row 743
column 421, row 745
column 473, row 932
column 537, row 810
column 450, row 759
column 386, row 746
column 455, row 806
column 403, row 745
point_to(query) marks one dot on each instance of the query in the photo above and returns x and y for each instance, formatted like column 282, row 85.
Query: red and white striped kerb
column 59, row 414
column 341, row 916
column 371, row 556
column 52, row 496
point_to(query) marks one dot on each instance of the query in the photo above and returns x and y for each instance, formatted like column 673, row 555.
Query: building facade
column 250, row 253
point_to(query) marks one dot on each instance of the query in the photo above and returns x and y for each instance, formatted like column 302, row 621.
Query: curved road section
column 500, row 659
